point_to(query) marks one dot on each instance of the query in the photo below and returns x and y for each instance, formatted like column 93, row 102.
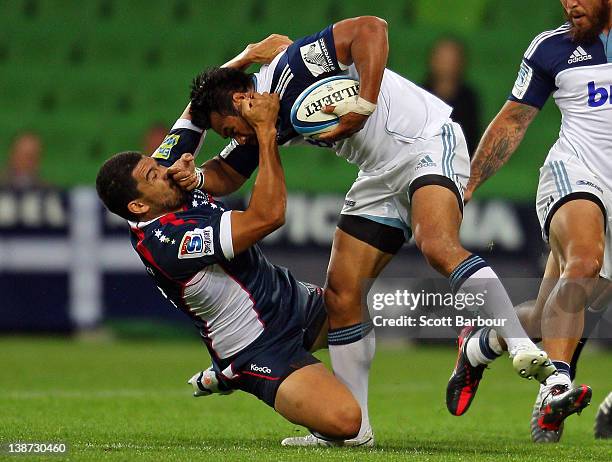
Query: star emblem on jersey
column 163, row 238
column 200, row 196
column 579, row 55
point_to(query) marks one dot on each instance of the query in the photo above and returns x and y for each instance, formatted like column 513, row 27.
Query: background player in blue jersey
column 414, row 167
column 574, row 64
column 257, row 321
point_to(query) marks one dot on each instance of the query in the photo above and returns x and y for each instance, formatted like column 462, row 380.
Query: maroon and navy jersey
column 235, row 300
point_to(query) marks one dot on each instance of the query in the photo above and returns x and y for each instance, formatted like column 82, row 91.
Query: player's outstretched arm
column 501, row 138
column 261, row 52
column 266, row 210
column 364, row 42
column 221, row 179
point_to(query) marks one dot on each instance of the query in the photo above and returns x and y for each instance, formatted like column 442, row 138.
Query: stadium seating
column 91, row 76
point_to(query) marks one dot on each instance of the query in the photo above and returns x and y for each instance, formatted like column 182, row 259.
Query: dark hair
column 212, row 90
column 115, row 184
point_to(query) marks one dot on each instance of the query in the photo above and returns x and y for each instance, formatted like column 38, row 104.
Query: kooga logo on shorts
column 262, row 369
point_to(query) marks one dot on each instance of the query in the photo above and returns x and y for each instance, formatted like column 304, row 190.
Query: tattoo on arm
column 500, row 140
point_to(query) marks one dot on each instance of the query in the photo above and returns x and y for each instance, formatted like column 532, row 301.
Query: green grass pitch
column 127, row 401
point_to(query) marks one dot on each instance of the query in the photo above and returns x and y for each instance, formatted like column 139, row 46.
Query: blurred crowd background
column 80, row 80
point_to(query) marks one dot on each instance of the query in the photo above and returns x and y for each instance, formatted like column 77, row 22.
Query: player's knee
column 583, row 266
column 345, row 421
column 438, row 250
column 341, row 304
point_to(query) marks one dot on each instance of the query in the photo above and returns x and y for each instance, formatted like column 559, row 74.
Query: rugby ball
column 306, row 115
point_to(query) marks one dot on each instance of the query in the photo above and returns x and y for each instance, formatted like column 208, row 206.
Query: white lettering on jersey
column 522, row 81
column 579, row 55
column 197, row 243
column 316, row 58
column 263, row 369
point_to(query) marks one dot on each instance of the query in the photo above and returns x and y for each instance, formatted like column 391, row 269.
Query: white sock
column 483, row 347
column 351, row 363
column 562, row 378
column 473, row 275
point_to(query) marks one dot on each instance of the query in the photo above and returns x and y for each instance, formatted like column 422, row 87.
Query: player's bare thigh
column 313, row 397
column 577, row 237
column 352, row 263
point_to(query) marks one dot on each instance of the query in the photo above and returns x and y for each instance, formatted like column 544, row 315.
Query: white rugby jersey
column 405, row 113
column 579, row 76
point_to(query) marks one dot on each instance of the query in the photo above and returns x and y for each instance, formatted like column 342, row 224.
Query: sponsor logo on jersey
column 163, row 152
column 589, row 183
column 262, row 369
column 316, row 58
column 579, row 55
column 598, row 96
column 425, row 161
column 522, row 81
column 197, row 243
column 349, row 203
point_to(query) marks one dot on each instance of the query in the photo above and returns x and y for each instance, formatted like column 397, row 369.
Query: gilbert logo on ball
column 306, row 115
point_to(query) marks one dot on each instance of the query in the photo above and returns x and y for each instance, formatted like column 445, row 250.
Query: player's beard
column 176, row 200
column 598, row 20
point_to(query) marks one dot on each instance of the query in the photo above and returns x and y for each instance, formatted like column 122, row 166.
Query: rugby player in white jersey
column 414, row 167
column 574, row 64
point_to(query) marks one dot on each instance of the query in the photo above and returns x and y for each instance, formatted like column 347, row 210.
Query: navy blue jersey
column 405, row 113
column 579, row 77
column 553, row 53
column 235, row 300
column 305, row 61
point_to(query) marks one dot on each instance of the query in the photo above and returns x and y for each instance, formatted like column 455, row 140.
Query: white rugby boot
column 367, row 441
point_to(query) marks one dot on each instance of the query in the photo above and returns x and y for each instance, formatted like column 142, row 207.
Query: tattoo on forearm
column 500, row 141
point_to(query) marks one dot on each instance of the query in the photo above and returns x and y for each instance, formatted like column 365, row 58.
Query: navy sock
column 349, row 334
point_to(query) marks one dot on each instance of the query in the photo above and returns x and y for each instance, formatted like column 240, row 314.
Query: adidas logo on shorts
column 579, row 55
column 425, row 161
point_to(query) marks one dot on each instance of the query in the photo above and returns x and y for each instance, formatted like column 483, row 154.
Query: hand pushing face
column 260, row 110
